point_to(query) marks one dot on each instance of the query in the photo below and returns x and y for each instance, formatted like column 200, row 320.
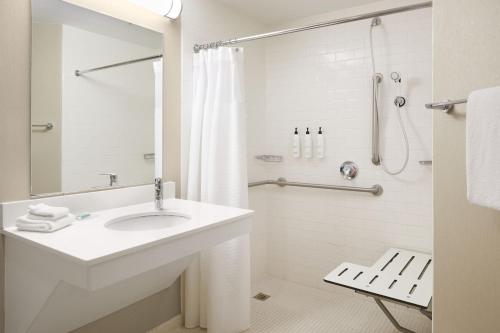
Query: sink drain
column 261, row 296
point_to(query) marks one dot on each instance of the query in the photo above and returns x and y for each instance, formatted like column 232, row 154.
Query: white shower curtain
column 217, row 284
column 158, row 117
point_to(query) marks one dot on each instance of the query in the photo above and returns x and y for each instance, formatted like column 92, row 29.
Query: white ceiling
column 61, row 12
column 275, row 11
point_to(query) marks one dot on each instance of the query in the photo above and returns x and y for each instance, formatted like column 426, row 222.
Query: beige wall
column 466, row 237
column 15, row 40
column 15, row 32
column 46, row 107
column 15, row 36
column 141, row 316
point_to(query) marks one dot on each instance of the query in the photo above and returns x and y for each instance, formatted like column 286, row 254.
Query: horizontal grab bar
column 445, row 106
column 47, row 126
column 375, row 189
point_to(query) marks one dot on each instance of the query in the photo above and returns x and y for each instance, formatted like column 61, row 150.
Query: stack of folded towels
column 45, row 218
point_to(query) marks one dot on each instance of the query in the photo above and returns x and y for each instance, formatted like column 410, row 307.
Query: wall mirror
column 96, row 94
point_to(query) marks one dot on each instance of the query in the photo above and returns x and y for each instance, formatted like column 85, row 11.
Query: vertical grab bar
column 376, row 79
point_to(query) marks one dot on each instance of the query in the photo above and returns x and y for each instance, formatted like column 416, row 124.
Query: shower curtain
column 217, row 284
column 158, row 117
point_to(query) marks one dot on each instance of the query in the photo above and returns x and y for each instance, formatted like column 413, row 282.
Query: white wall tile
column 108, row 117
column 322, row 78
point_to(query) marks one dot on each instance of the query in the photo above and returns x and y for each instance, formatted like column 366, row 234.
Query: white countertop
column 89, row 242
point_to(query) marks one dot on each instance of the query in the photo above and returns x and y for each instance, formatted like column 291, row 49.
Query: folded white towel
column 483, row 155
column 25, row 223
column 45, row 218
column 47, row 212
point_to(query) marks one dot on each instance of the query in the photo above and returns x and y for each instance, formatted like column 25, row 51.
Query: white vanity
column 124, row 252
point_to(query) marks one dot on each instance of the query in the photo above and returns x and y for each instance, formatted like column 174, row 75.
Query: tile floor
column 294, row 308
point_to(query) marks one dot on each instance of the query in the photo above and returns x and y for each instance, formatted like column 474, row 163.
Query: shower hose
column 399, row 117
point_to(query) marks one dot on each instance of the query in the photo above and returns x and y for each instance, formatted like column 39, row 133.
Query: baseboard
column 168, row 326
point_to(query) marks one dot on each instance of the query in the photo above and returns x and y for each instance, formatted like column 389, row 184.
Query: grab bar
column 47, row 126
column 376, row 80
column 375, row 189
column 445, row 106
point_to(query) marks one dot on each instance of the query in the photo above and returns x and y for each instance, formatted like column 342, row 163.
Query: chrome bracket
column 281, row 182
column 445, row 106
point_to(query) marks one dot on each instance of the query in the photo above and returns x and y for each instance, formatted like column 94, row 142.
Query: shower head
column 376, row 21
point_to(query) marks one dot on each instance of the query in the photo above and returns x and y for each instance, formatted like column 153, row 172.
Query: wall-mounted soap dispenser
column 296, row 144
column 320, row 144
column 307, row 144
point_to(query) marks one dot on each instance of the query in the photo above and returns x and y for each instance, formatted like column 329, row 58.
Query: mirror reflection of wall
column 101, row 123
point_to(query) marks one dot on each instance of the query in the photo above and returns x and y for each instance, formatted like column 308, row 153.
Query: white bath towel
column 483, row 154
column 47, row 212
column 27, row 224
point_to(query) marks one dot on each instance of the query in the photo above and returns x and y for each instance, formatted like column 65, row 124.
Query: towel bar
column 47, row 126
column 445, row 106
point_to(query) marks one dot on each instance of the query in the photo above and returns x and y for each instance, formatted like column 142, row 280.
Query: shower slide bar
column 118, row 64
column 198, row 47
column 445, row 106
column 375, row 189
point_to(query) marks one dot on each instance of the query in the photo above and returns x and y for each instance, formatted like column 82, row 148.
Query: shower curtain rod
column 123, row 63
column 198, row 47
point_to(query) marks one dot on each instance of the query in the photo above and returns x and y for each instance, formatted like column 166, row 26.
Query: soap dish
column 270, row 158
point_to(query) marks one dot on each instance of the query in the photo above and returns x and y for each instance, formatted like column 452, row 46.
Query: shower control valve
column 349, row 170
column 399, row 101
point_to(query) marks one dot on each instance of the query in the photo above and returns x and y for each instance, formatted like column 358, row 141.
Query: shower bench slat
column 399, row 276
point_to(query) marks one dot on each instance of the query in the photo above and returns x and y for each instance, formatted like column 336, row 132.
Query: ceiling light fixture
column 168, row 8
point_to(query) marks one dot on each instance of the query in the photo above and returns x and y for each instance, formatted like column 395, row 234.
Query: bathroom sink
column 147, row 221
column 99, row 265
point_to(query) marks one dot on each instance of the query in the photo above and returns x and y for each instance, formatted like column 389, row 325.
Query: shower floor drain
column 261, row 296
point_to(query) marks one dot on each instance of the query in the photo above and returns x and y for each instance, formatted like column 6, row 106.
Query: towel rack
column 47, row 126
column 445, row 106
column 375, row 189
column 270, row 158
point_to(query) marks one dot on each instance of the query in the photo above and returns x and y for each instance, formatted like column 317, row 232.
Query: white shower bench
column 399, row 276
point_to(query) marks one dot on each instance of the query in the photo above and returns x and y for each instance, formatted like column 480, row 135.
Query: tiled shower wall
column 322, row 78
column 97, row 130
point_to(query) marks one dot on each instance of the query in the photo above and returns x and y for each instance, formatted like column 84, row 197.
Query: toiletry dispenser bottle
column 307, row 144
column 296, row 144
column 320, row 144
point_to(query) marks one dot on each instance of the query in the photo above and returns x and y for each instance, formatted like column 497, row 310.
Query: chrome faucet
column 113, row 178
column 158, row 194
